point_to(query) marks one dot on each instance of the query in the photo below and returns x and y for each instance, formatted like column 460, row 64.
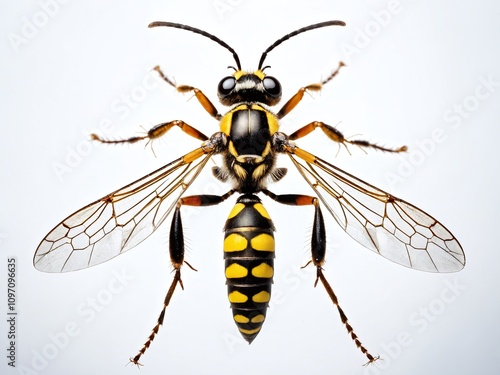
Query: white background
column 411, row 66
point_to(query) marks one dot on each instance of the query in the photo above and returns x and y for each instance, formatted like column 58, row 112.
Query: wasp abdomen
column 249, row 258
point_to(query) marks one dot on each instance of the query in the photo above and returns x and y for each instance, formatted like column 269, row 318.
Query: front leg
column 204, row 101
column 288, row 106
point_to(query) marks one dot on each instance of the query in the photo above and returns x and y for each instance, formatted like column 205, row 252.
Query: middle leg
column 336, row 136
column 155, row 132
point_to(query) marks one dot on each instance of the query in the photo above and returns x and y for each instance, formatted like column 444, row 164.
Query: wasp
column 249, row 140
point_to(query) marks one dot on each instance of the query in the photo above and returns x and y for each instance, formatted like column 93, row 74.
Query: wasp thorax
column 249, row 87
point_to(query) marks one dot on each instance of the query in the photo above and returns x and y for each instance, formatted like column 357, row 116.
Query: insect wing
column 117, row 222
column 387, row 225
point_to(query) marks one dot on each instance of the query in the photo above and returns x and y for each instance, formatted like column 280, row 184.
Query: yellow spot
column 259, row 73
column 273, row 123
column 236, row 210
column 236, row 271
column 263, row 242
column 241, row 319
column 267, row 149
column 241, row 107
column 235, row 242
column 259, row 171
column 237, row 297
column 240, row 171
column 239, row 73
column 231, row 149
column 261, row 297
column 263, row 270
column 261, row 210
column 225, row 123
column 258, row 318
column 258, row 107
column 249, row 331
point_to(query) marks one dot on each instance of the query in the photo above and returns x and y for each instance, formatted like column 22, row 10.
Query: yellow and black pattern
column 249, row 140
column 249, row 258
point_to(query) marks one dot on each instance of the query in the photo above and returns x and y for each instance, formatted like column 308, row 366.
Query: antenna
column 201, row 32
column 296, row 32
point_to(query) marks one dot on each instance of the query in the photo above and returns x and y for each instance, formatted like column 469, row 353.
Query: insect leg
column 318, row 250
column 156, row 132
column 176, row 248
column 294, row 100
column 204, row 101
column 205, row 199
column 336, row 136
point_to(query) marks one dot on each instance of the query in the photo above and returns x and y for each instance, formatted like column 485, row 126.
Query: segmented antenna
column 296, row 32
column 230, row 49
column 201, row 32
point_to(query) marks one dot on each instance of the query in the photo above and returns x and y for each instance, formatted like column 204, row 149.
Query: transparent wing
column 381, row 222
column 119, row 221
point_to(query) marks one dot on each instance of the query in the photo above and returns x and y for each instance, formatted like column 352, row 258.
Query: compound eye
column 272, row 86
column 226, row 86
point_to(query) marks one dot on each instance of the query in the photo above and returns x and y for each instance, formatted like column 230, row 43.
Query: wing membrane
column 117, row 222
column 387, row 225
